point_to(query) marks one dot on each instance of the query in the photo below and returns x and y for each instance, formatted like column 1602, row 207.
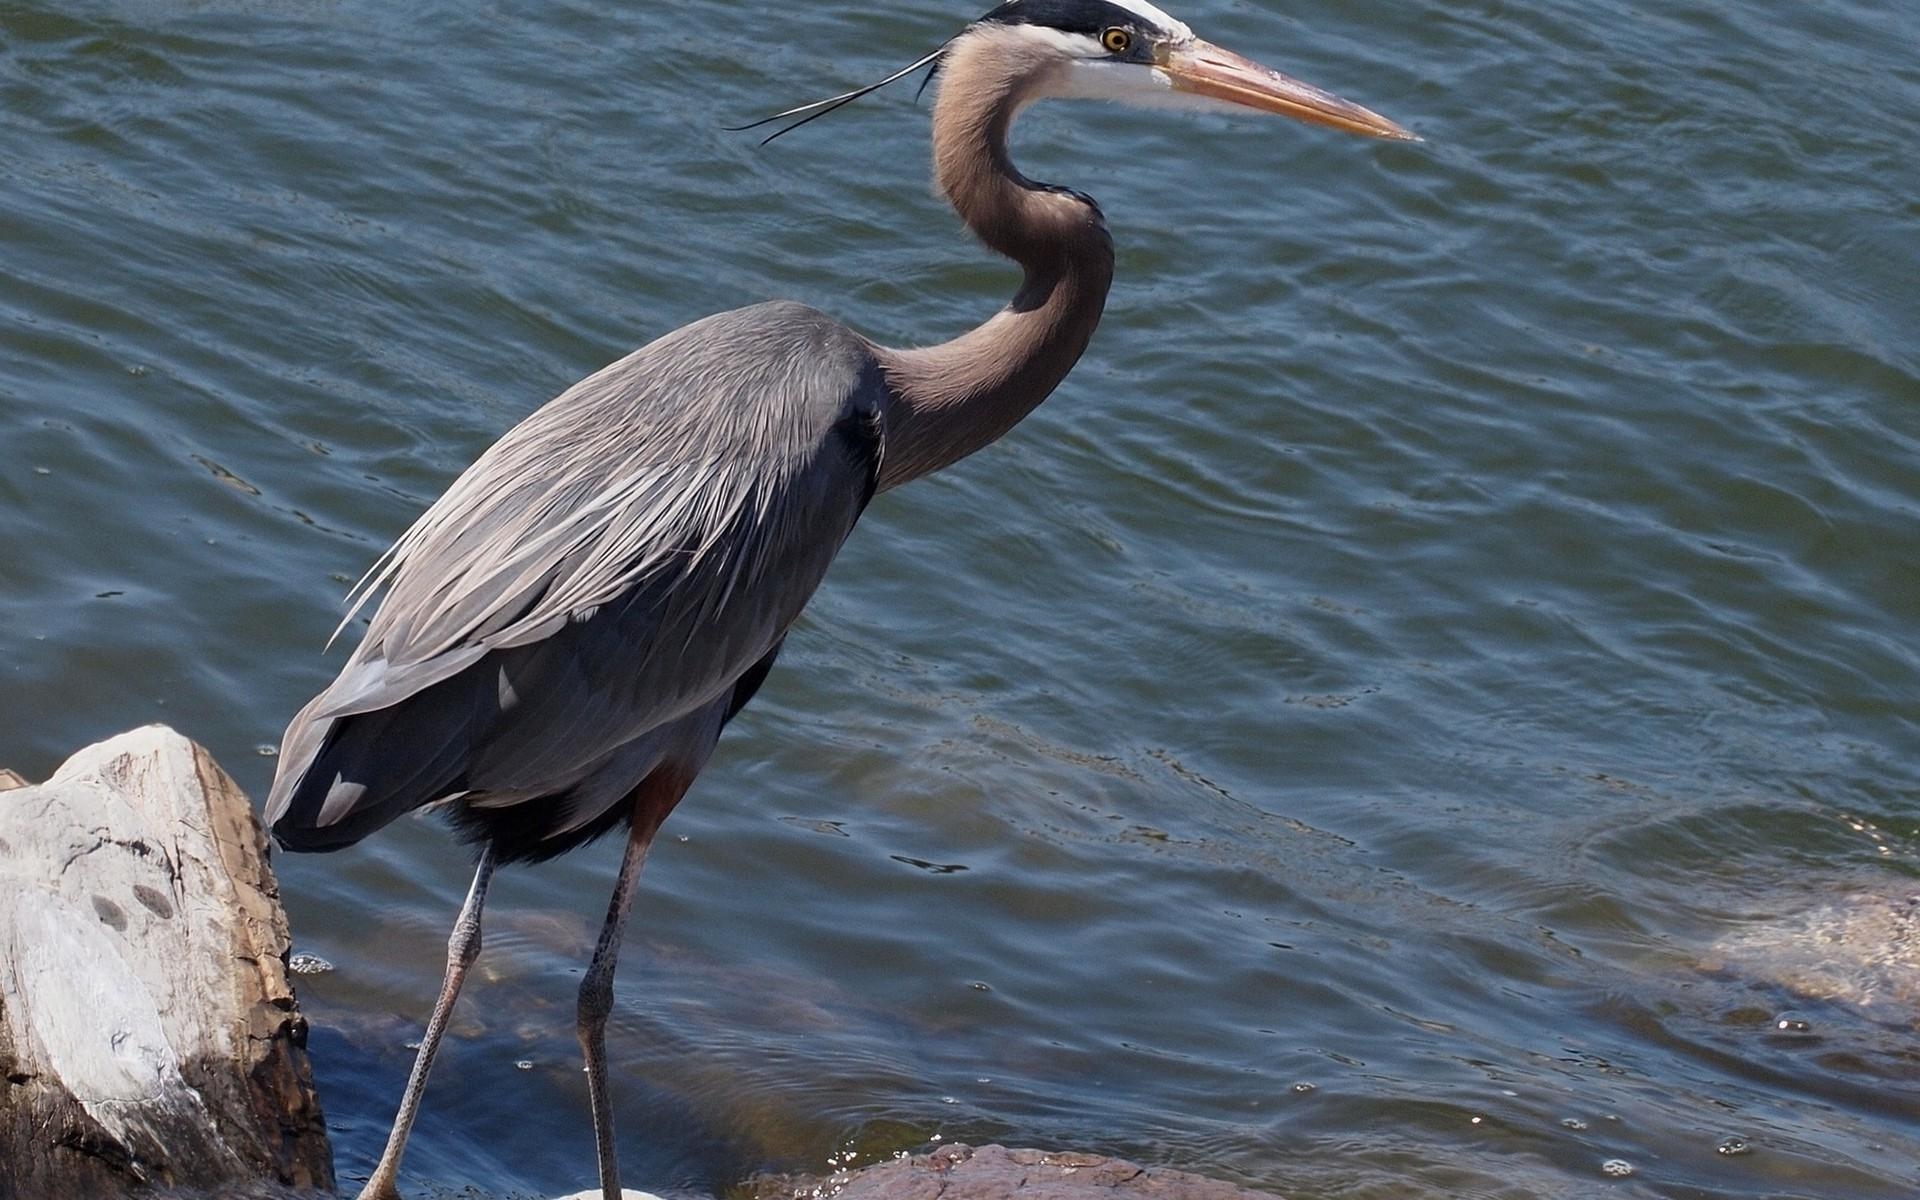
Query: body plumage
column 566, row 631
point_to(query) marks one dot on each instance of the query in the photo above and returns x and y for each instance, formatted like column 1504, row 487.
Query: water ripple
column 1403, row 709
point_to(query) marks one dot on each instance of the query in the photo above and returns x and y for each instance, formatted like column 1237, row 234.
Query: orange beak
column 1204, row 69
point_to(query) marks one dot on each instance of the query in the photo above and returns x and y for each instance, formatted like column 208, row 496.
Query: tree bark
column 148, row 1033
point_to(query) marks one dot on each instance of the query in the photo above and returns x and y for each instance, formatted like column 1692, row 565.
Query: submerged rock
column 959, row 1172
column 1861, row 950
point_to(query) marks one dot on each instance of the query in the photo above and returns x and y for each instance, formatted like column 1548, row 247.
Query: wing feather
column 615, row 562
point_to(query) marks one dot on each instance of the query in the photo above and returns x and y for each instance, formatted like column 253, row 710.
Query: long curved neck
column 952, row 399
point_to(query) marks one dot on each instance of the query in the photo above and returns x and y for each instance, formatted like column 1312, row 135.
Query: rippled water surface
column 1363, row 737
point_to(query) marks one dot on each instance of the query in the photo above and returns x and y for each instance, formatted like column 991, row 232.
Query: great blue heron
column 566, row 631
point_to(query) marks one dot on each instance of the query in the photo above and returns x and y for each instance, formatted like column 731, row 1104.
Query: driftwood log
column 148, row 1035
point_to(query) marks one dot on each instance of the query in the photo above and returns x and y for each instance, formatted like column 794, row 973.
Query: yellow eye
column 1117, row 40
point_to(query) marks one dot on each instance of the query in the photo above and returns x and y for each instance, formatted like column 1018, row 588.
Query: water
column 1332, row 745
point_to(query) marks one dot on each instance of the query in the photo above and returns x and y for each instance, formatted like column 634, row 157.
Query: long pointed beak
column 1205, row 69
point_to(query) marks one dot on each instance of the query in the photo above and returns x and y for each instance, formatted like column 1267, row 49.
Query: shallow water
column 1330, row 745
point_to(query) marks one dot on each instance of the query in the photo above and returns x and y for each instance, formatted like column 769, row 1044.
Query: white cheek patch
column 1127, row 83
column 1137, row 84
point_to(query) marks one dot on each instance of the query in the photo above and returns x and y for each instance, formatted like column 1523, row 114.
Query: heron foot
column 379, row 1187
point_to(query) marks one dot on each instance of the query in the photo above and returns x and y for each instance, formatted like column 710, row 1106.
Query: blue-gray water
column 1464, row 588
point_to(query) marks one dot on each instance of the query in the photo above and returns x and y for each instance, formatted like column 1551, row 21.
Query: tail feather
column 341, row 778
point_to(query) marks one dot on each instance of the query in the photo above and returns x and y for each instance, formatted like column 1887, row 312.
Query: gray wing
column 614, row 563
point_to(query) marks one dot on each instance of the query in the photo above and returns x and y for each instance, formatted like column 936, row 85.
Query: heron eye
column 1117, row 40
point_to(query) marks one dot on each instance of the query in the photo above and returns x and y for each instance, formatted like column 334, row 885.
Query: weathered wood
column 148, row 1034
column 959, row 1172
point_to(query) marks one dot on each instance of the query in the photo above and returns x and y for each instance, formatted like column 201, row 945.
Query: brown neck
column 952, row 399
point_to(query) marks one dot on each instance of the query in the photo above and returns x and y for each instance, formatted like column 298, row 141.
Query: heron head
column 1132, row 52
column 1123, row 50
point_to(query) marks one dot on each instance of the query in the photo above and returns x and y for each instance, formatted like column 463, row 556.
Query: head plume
column 816, row 109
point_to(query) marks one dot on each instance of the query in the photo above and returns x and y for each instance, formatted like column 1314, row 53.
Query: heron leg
column 596, row 989
column 463, row 947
